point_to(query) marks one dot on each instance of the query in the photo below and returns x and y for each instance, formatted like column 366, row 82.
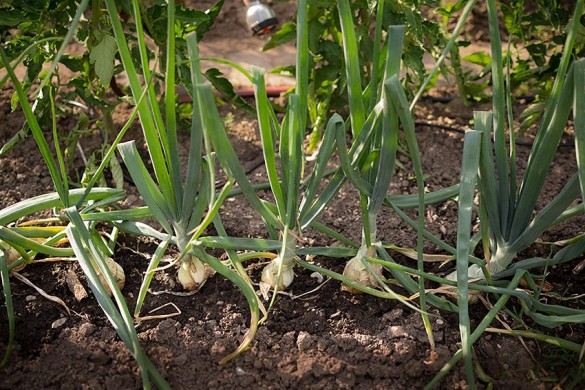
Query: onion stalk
column 372, row 171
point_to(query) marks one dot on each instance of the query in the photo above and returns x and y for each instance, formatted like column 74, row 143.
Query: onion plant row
column 184, row 201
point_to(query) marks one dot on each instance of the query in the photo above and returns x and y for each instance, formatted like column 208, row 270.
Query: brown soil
column 326, row 339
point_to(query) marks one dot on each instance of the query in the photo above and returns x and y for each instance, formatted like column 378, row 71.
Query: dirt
column 316, row 337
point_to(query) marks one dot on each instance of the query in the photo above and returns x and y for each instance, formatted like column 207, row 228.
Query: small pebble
column 304, row 341
column 29, row 298
column 440, row 321
column 396, row 331
column 240, row 371
column 60, row 322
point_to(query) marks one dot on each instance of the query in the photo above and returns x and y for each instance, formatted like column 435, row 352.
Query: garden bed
column 316, row 337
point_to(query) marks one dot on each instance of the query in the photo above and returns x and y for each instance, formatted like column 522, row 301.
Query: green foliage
column 537, row 31
column 327, row 77
column 34, row 33
column 102, row 56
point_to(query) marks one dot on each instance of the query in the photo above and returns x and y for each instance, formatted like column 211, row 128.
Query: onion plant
column 184, row 206
column 370, row 170
column 177, row 205
column 509, row 218
column 93, row 252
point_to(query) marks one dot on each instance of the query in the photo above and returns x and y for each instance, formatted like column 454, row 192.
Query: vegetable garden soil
column 316, row 336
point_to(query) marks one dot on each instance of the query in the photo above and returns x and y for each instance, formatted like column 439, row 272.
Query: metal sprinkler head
column 260, row 18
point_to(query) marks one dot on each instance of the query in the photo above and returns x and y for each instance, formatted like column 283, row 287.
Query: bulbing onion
column 356, row 270
column 193, row 273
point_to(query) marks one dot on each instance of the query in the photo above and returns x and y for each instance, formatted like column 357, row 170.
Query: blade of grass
column 170, row 108
column 323, row 157
column 58, row 154
column 266, row 135
column 159, row 125
column 499, row 117
column 42, row 202
column 557, row 341
column 579, row 121
column 194, row 166
column 213, row 129
column 292, row 160
column 398, row 98
column 302, row 71
column 5, row 277
column 373, row 87
column 147, row 118
column 239, row 243
column 36, row 131
column 11, row 237
column 153, row 197
column 411, row 201
column 352, row 67
column 469, row 168
column 149, row 274
column 142, row 229
column 488, row 182
column 389, row 134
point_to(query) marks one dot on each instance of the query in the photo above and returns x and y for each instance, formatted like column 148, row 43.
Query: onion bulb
column 11, row 255
column 270, row 274
column 193, row 273
column 357, row 271
column 117, row 272
column 474, row 272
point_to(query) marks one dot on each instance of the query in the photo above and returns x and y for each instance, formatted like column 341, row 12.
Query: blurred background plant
column 47, row 37
column 536, row 29
column 327, row 79
column 537, row 34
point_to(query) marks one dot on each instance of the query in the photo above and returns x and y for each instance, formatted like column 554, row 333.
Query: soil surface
column 317, row 336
